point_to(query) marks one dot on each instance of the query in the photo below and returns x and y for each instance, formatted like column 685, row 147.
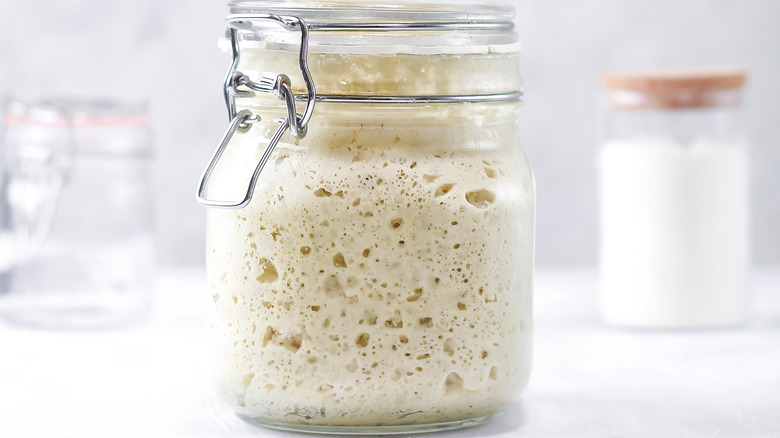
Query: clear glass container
column 76, row 230
column 380, row 278
column 674, row 200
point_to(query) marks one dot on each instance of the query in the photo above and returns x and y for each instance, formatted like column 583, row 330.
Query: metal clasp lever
column 243, row 120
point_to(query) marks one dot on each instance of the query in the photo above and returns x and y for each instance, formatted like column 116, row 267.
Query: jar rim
column 76, row 112
column 319, row 14
column 98, row 127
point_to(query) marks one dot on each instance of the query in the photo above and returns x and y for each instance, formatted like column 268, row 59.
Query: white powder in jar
column 674, row 233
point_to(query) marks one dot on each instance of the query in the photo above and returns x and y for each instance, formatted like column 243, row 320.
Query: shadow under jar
column 375, row 274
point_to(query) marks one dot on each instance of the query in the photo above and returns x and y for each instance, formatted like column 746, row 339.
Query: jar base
column 399, row 429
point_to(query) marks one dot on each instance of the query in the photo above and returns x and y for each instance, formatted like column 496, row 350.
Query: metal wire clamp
column 280, row 87
column 242, row 121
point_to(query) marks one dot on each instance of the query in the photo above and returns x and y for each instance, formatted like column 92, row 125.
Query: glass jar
column 76, row 217
column 380, row 278
column 674, row 201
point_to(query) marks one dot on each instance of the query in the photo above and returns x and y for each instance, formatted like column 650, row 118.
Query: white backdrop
column 166, row 52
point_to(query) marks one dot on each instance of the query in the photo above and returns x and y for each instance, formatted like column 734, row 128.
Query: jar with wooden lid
column 674, row 200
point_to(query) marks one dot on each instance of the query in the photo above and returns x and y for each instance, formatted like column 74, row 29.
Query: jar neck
column 433, row 128
column 392, row 74
column 717, row 124
column 685, row 99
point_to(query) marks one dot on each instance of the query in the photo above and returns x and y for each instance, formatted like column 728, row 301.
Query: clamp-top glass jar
column 371, row 265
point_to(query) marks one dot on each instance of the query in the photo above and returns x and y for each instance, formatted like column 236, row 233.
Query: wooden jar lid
column 674, row 89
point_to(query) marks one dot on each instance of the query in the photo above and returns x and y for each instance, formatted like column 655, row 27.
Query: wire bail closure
column 280, row 86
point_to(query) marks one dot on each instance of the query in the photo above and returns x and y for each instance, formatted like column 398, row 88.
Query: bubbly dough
column 382, row 272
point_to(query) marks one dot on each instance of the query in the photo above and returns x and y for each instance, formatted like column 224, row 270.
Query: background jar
column 674, row 200
column 76, row 216
column 379, row 281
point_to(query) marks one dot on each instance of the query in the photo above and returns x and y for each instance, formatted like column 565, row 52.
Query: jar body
column 674, row 218
column 381, row 276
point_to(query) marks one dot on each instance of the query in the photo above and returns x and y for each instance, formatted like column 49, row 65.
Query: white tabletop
column 589, row 380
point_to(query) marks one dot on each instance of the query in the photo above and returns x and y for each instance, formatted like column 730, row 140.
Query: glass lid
column 322, row 14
